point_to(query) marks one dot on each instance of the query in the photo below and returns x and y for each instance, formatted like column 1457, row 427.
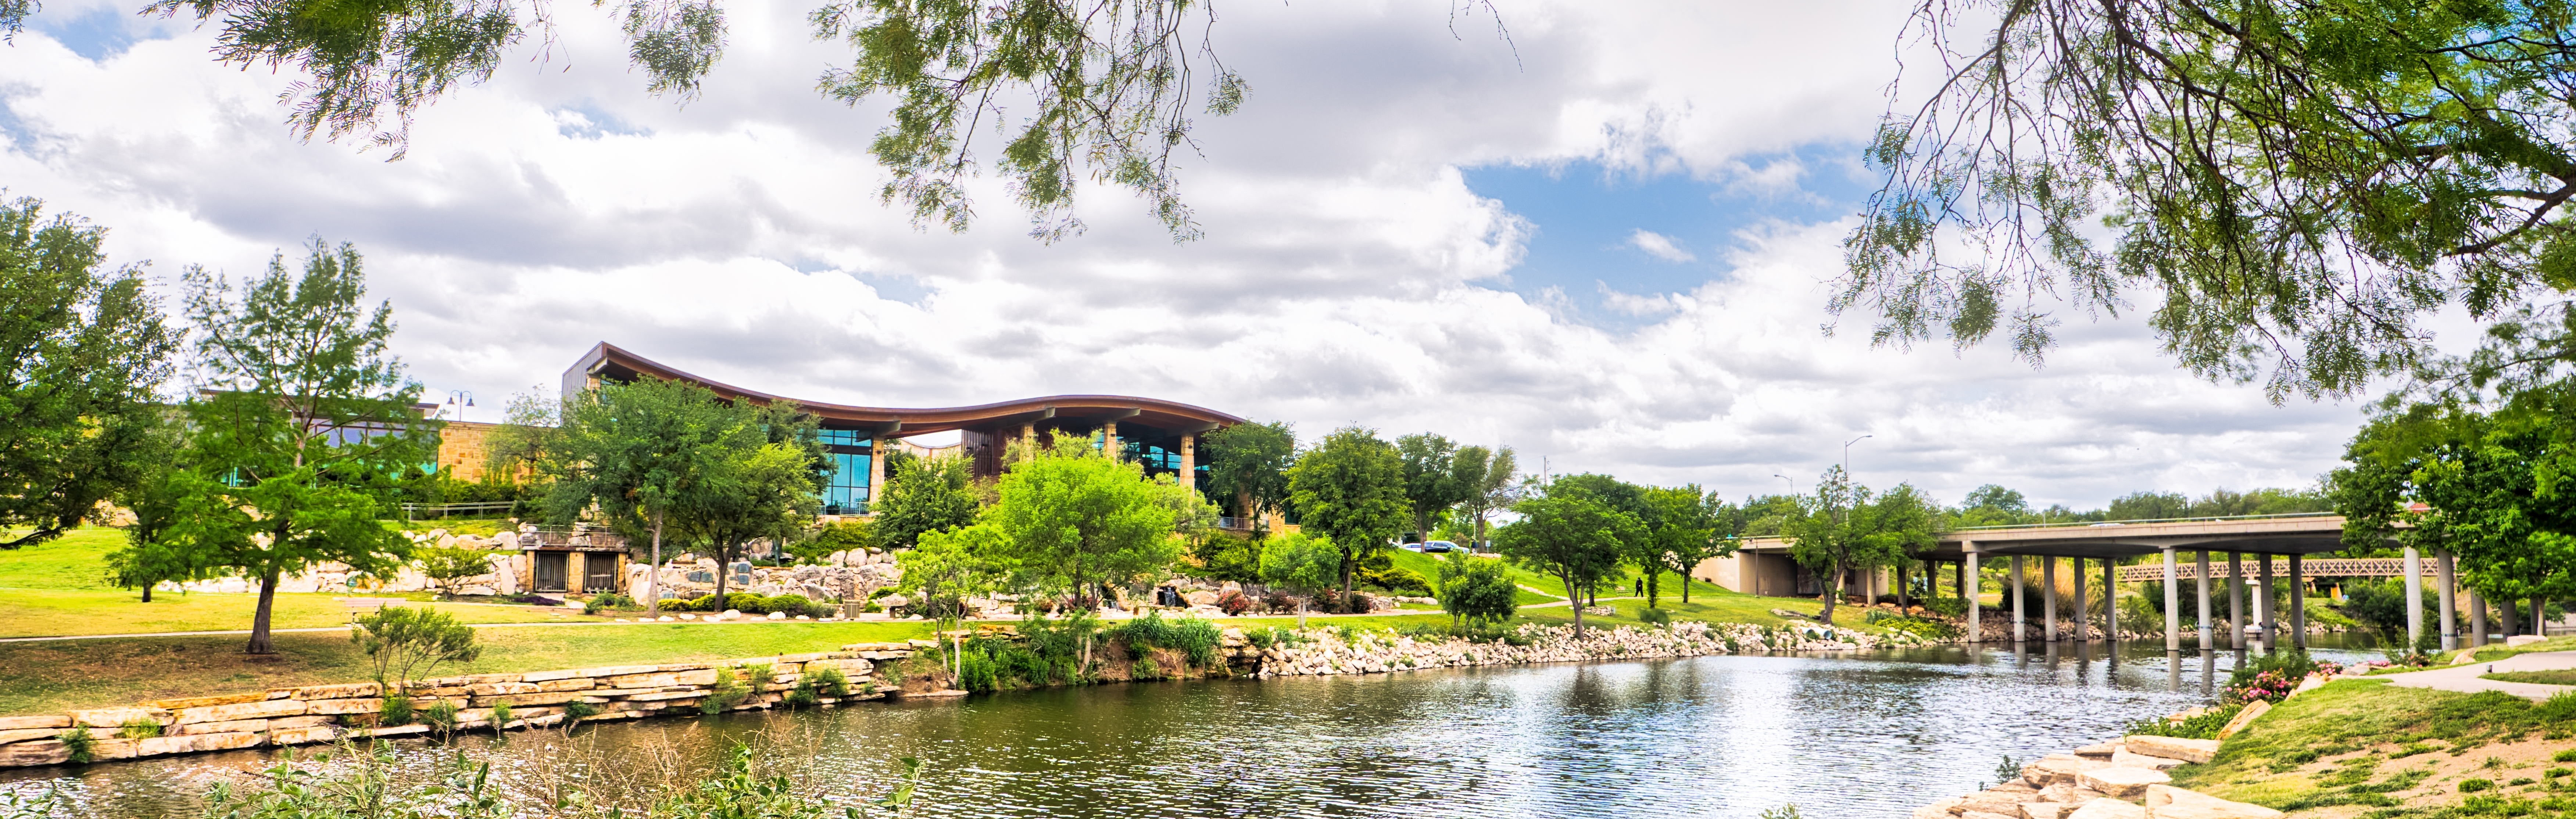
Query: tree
column 1487, row 483
column 81, row 350
column 302, row 422
column 1622, row 496
column 1072, row 519
column 1844, row 529
column 761, row 484
column 151, row 555
column 1476, row 590
column 944, row 568
column 1249, row 464
column 635, row 452
column 406, row 642
column 2298, row 184
column 1350, row 489
column 518, row 447
column 1683, row 530
column 924, row 496
column 2478, row 485
column 1573, row 536
column 1431, row 482
column 451, row 566
column 1303, row 562
column 2148, row 506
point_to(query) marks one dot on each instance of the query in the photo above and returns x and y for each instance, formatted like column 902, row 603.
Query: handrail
column 2204, row 519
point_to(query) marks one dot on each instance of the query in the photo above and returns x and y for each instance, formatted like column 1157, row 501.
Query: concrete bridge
column 2239, row 551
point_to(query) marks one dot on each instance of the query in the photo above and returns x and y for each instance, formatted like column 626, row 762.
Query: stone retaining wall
column 327, row 713
column 1326, row 651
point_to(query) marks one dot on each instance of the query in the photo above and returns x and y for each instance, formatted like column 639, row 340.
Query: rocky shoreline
column 1327, row 650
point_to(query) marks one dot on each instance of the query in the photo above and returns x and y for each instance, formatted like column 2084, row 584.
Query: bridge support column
column 2236, row 601
column 2110, row 603
column 2203, row 612
column 2477, row 620
column 2018, row 635
column 2048, row 596
column 2173, row 604
column 2450, row 602
column 2263, row 609
column 2083, row 615
column 1968, row 588
column 2414, row 599
column 2298, row 605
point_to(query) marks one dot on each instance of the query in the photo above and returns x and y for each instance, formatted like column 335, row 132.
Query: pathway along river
column 1843, row 737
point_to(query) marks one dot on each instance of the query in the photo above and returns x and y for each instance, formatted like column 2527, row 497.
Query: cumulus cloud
column 1659, row 246
column 1349, row 275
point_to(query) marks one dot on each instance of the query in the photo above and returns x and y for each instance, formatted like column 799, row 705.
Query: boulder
column 2169, row 802
column 2098, row 751
column 778, row 615
column 2122, row 783
column 2154, row 763
column 113, row 717
column 1978, row 814
column 239, row 711
column 23, row 723
column 2187, row 750
column 22, row 754
column 2043, row 810
column 2253, row 710
column 2056, row 768
column 2108, row 809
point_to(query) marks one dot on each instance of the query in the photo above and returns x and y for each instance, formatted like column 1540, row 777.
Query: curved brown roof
column 610, row 362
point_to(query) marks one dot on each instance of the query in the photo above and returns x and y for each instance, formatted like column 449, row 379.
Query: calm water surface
column 1841, row 736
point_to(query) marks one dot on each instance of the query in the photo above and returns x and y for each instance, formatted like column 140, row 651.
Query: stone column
column 1109, row 441
column 2083, row 616
column 2202, row 613
column 2298, row 605
column 573, row 570
column 1968, row 587
column 877, row 449
column 2048, row 599
column 2018, row 636
column 2110, row 602
column 2414, row 600
column 1028, row 440
column 1190, row 469
column 2450, row 601
column 2477, row 620
column 2263, row 605
column 2173, row 603
column 2236, row 601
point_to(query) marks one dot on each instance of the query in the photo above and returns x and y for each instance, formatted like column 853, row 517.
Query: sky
column 1605, row 241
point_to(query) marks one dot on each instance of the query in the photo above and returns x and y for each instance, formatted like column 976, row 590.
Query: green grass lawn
column 38, row 678
column 2354, row 742
column 2559, row 677
column 2493, row 653
column 60, row 588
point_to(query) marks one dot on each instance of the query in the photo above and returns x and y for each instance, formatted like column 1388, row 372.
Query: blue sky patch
column 586, row 120
column 100, row 33
column 1598, row 230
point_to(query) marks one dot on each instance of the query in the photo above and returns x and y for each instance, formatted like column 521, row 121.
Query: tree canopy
column 2296, row 186
column 1248, row 464
column 1844, row 527
column 1572, row 536
column 1350, row 489
column 1071, row 518
column 636, row 452
column 923, row 496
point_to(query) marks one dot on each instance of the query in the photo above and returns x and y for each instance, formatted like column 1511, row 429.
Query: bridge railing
column 2189, row 569
column 2111, row 523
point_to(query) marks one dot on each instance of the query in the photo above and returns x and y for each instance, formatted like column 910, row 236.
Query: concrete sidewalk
column 2464, row 677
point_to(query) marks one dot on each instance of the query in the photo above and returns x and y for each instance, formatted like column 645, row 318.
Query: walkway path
column 2464, row 678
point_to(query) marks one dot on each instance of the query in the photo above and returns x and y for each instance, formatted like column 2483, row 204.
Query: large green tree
column 761, row 484
column 634, row 453
column 1572, row 536
column 1488, row 481
column 923, row 496
column 1845, row 528
column 2488, row 487
column 1303, row 562
column 1431, row 478
column 1620, row 495
column 2294, row 186
column 151, row 554
column 1684, row 527
column 1248, row 464
column 1350, row 489
column 301, row 424
column 1074, row 518
column 82, row 347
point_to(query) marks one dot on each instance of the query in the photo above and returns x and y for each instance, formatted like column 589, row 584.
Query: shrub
column 2203, row 726
column 2271, row 676
column 2568, row 755
column 757, row 677
column 1655, row 616
column 1946, row 606
column 1144, row 668
column 501, row 717
column 1397, row 579
column 406, row 642
column 576, row 711
column 816, row 684
column 1194, row 637
column 83, row 746
column 139, row 728
column 395, row 710
column 727, row 692
column 1233, row 602
column 607, row 602
column 2476, row 785
column 745, row 602
column 440, row 716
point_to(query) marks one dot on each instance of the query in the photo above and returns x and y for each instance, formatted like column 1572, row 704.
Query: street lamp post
column 458, row 400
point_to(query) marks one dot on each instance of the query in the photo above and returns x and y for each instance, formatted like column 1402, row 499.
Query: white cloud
column 1348, row 274
column 1659, row 246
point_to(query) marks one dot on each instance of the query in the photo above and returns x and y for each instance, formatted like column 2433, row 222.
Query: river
column 1841, row 736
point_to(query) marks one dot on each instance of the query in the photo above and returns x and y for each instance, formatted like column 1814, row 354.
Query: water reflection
column 1710, row 736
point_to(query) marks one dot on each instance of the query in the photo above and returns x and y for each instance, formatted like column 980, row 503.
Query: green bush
column 608, row 602
column 395, row 710
column 83, row 746
column 746, row 602
column 815, row 684
column 2568, row 755
column 139, row 728
column 1144, row 668
column 2476, row 785
column 502, row 714
column 2204, row 726
column 727, row 692
column 440, row 716
column 1946, row 606
column 576, row 711
column 407, row 641
column 1397, row 579
column 1654, row 616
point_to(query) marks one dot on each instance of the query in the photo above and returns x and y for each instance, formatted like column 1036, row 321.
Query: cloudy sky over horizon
column 1606, row 243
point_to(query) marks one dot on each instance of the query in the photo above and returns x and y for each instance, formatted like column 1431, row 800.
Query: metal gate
column 551, row 568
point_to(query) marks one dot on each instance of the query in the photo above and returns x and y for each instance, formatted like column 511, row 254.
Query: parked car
column 1439, row 546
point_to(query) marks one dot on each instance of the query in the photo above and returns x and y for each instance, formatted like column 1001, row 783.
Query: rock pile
column 325, row 713
column 1328, row 650
column 2114, row 780
column 690, row 576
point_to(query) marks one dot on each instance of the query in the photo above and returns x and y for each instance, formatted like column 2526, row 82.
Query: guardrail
column 2088, row 523
column 413, row 511
column 2189, row 569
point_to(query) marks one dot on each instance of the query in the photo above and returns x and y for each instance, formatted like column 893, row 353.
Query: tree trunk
column 1900, row 585
column 1833, row 593
column 1421, row 526
column 1350, row 572
column 653, row 573
column 147, row 592
column 259, row 642
column 1652, row 578
column 724, row 568
column 1574, row 597
column 1686, row 578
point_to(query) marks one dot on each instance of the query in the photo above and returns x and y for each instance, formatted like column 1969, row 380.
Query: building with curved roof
column 1161, row 435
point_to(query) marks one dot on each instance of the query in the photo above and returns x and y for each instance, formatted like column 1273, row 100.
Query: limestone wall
column 1326, row 651
column 326, row 713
